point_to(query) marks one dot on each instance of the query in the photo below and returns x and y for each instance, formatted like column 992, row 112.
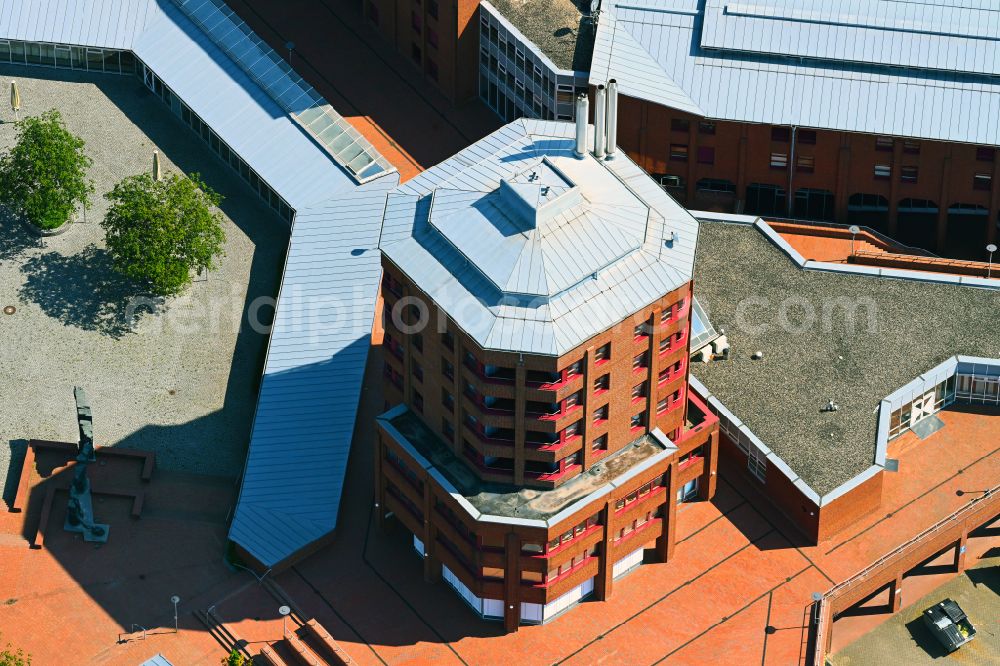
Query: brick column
column 692, row 160
column 605, row 563
column 512, row 582
column 379, row 498
column 587, row 454
column 706, row 486
column 896, row 594
column 943, row 203
column 741, row 168
column 432, row 565
column 994, row 216
column 655, row 365
column 842, row 193
column 520, row 388
column 960, row 549
column 665, row 542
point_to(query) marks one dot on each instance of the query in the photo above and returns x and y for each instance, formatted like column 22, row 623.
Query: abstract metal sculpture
column 80, row 509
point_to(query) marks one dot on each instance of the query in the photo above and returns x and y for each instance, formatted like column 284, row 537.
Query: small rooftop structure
column 508, row 501
column 834, row 64
column 532, row 249
column 561, row 29
column 848, row 337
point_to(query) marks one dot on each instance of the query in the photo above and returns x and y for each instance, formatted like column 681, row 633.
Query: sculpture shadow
column 18, row 449
column 83, row 290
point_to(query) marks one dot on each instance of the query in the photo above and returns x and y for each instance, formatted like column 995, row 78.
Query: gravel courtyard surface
column 181, row 382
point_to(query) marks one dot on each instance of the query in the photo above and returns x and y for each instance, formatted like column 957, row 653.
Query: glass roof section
column 289, row 90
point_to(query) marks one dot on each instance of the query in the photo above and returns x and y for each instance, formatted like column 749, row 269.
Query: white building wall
column 627, row 563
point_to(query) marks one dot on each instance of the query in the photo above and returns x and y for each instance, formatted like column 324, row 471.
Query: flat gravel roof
column 868, row 336
column 556, row 27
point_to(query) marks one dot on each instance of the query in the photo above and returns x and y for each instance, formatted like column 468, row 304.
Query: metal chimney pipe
column 582, row 120
column 600, row 124
column 612, row 118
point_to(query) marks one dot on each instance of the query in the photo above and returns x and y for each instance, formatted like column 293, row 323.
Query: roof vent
column 831, row 406
column 757, row 355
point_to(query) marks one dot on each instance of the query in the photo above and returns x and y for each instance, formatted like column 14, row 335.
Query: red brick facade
column 709, row 158
column 539, row 422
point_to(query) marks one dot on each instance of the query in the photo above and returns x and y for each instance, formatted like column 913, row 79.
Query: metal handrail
column 990, row 497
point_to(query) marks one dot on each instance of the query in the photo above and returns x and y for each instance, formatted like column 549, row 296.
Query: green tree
column 44, row 176
column 235, row 658
column 158, row 232
column 11, row 657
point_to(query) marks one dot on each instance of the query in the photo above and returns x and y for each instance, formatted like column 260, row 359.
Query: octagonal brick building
column 538, row 432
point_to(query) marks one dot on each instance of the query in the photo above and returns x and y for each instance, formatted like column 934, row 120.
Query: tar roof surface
column 556, row 27
column 917, row 325
column 510, row 501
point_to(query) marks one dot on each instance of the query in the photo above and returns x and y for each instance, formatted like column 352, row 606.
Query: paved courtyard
column 181, row 382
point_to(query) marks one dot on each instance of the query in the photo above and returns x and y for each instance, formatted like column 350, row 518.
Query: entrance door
column 923, row 407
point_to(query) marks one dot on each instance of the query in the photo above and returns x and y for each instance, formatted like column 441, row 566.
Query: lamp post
column 175, row 600
column 855, row 230
column 290, row 45
column 284, row 611
column 991, row 248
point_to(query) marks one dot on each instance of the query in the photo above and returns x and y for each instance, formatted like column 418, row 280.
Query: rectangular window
column 883, row 171
column 639, row 332
column 418, row 371
column 680, row 125
column 432, row 69
column 599, row 443
column 757, row 464
column 418, row 402
column 678, row 152
column 706, row 127
column 372, row 12
column 911, row 147
column 601, row 414
column 780, row 134
column 779, row 160
column 603, row 353
column 574, row 369
column 432, row 8
column 807, row 137
column 638, row 421
column 602, row 383
column 432, row 37
column 661, row 406
column 639, row 391
column 416, row 54
column 706, row 155
column 416, row 21
column 982, row 181
column 448, row 340
column 640, row 361
column 984, row 154
column 447, row 399
column 908, row 174
column 884, row 143
column 805, row 163
column 447, row 429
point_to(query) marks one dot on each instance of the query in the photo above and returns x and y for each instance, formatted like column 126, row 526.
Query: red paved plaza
column 737, row 570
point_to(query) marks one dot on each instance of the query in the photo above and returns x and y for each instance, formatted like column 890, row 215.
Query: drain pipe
column 612, row 118
column 582, row 110
column 600, row 122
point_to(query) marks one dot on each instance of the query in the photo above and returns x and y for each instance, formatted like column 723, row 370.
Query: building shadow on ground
column 987, row 576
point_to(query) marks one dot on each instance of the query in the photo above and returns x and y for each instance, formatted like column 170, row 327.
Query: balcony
column 699, row 424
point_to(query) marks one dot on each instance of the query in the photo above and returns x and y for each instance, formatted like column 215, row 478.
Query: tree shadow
column 83, row 290
column 14, row 237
